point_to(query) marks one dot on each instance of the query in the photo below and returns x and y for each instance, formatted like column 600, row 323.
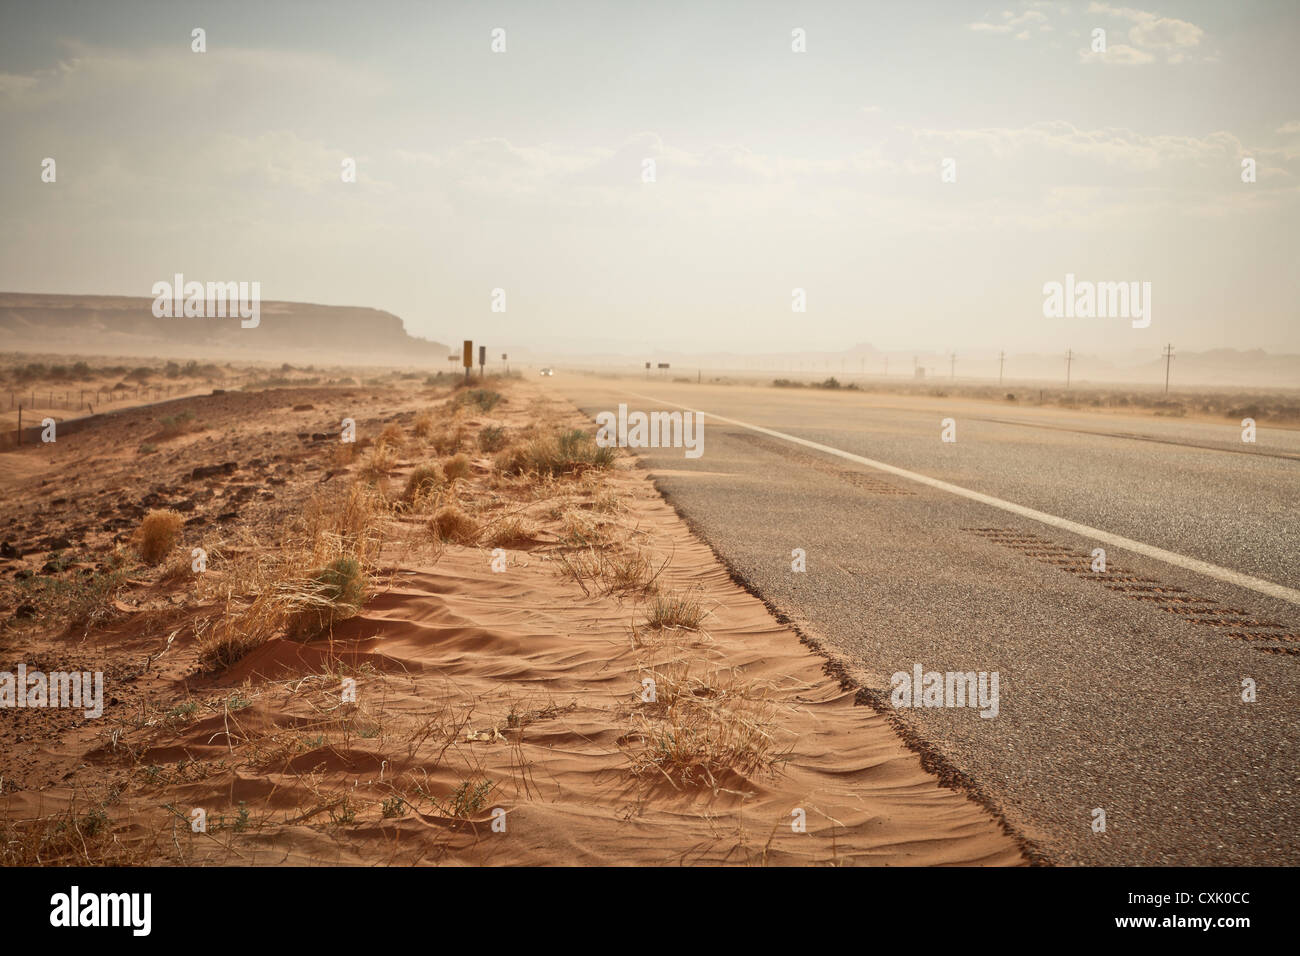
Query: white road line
column 1282, row 593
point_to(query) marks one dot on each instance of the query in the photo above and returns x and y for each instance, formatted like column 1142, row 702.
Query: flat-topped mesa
column 128, row 324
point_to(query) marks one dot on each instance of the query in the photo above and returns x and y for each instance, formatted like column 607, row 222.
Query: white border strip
column 1282, row 593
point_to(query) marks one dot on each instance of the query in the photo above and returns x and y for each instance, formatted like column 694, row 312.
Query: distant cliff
column 122, row 325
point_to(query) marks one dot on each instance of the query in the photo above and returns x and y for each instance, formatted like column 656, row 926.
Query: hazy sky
column 774, row 169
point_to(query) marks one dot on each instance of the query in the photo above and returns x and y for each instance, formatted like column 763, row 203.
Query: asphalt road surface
column 1120, row 691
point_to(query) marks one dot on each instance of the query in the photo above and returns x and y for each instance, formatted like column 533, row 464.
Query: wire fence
column 31, row 405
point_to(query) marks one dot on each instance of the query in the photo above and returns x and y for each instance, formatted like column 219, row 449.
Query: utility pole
column 1002, row 360
column 1069, row 357
column 952, row 373
column 1169, row 357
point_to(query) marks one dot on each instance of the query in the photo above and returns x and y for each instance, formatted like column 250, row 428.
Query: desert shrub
column 170, row 426
column 492, row 438
column 467, row 800
column 484, row 398
column 83, row 599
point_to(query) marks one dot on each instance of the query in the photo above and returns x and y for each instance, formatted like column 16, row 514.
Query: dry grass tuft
column 485, row 398
column 336, row 524
column 158, row 534
column 339, row 533
column 492, row 438
column 570, row 452
column 451, row 439
column 343, row 454
column 424, row 481
column 452, row 524
column 422, row 427
column 331, row 594
column 381, row 461
column 173, row 426
column 676, row 611
column 704, row 729
column 511, row 533
column 699, row 744
column 180, row 571
column 393, row 436
column 457, row 468
column 69, row 837
column 607, row 571
column 240, row 630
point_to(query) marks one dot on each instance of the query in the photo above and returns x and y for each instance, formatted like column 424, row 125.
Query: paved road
column 1120, row 691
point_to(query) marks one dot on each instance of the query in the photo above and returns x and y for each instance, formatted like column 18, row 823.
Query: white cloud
column 1118, row 53
column 1151, row 37
column 13, row 84
column 1010, row 22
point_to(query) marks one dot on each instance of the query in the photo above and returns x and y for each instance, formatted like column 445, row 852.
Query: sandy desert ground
column 498, row 592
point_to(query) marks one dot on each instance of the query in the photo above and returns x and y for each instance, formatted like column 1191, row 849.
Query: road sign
column 467, row 358
column 663, row 364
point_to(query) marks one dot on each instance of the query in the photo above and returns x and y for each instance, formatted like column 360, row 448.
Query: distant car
column 548, row 371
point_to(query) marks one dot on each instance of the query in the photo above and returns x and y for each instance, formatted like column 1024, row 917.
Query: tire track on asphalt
column 1227, row 575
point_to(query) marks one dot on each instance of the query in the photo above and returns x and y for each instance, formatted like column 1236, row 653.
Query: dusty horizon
column 125, row 326
column 917, row 178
